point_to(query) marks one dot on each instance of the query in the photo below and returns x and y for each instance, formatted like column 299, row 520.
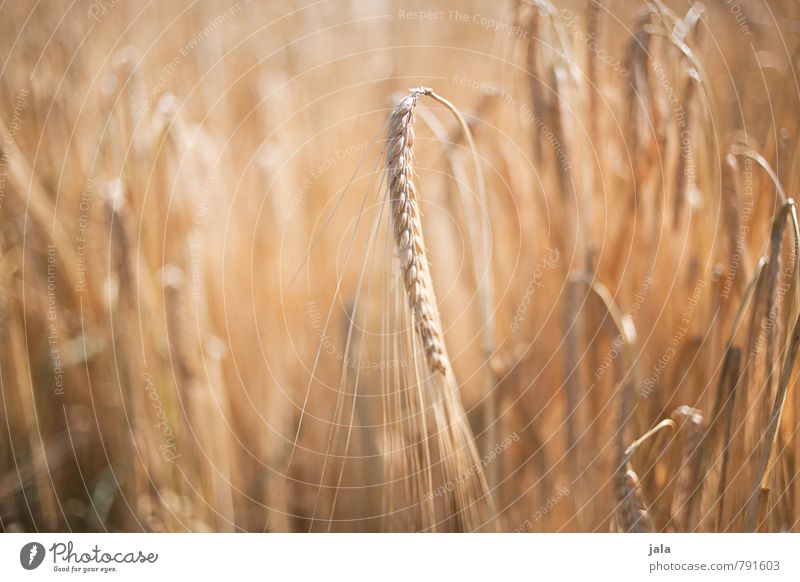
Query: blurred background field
column 179, row 184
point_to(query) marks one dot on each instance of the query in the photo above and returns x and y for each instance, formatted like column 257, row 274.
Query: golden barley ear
column 408, row 231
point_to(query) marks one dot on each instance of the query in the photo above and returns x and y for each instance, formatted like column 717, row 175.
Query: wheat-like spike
column 408, row 231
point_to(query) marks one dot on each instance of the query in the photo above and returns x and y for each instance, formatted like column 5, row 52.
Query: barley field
column 384, row 266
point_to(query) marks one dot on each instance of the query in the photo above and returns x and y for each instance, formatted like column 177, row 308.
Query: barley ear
column 407, row 229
